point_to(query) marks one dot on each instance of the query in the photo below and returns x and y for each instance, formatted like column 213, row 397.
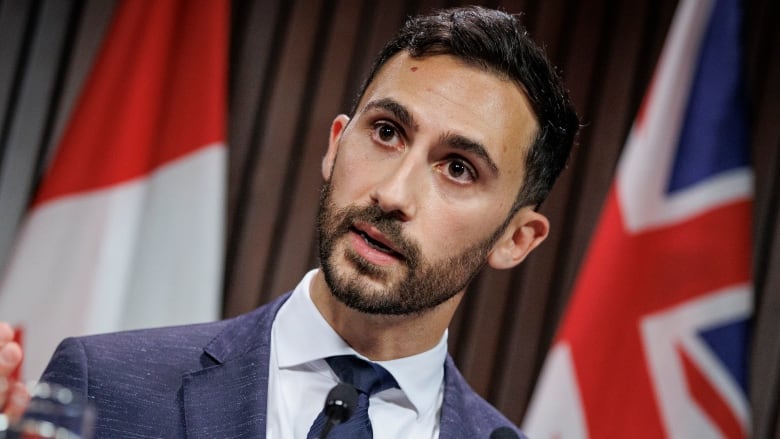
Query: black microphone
column 504, row 433
column 339, row 406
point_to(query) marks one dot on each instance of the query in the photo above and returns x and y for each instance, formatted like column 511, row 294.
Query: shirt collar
column 302, row 335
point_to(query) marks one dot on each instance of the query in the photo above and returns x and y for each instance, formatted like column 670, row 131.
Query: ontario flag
column 655, row 340
column 126, row 227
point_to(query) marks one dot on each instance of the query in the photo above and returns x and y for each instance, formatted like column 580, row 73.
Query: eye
column 386, row 133
column 459, row 170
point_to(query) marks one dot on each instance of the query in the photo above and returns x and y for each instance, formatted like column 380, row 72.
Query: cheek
column 360, row 166
column 447, row 233
column 451, row 229
column 351, row 176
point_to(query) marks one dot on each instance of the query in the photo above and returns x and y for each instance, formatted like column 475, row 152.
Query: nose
column 398, row 190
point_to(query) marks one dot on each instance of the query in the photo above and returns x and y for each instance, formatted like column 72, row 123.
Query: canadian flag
column 654, row 342
column 126, row 228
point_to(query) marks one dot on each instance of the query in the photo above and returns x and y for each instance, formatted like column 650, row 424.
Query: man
column 455, row 139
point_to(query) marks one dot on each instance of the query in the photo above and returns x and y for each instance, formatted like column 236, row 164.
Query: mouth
column 376, row 240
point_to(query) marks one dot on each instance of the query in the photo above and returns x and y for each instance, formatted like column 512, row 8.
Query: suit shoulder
column 174, row 349
column 137, row 378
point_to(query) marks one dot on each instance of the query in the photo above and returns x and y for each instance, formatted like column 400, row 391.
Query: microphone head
column 340, row 403
column 504, row 433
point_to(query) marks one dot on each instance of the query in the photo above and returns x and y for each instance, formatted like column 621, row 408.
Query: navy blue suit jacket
column 209, row 381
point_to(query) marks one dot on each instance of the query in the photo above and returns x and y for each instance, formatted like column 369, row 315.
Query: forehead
column 446, row 95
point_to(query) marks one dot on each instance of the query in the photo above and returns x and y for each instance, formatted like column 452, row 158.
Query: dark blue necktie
column 367, row 378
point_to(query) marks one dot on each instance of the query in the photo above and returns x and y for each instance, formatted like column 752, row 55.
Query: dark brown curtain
column 296, row 64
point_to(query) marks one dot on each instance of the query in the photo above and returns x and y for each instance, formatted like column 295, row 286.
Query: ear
column 336, row 130
column 527, row 229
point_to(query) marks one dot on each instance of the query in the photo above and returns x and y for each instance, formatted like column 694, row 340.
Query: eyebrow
column 456, row 141
column 399, row 111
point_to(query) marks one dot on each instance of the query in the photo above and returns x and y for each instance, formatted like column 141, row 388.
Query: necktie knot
column 368, row 378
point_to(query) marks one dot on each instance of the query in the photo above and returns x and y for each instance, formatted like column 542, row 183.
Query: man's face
column 419, row 185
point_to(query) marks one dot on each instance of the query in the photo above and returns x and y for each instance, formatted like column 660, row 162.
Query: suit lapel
column 228, row 400
column 229, row 396
column 453, row 423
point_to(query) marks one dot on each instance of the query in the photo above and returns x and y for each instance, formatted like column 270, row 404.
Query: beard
column 413, row 285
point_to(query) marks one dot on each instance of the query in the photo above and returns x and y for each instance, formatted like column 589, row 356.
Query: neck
column 383, row 337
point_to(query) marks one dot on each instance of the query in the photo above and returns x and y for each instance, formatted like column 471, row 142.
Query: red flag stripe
column 146, row 69
column 617, row 259
column 19, row 338
column 670, row 260
column 709, row 399
column 128, row 221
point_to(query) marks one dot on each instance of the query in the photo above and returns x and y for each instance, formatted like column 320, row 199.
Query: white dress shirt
column 300, row 378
